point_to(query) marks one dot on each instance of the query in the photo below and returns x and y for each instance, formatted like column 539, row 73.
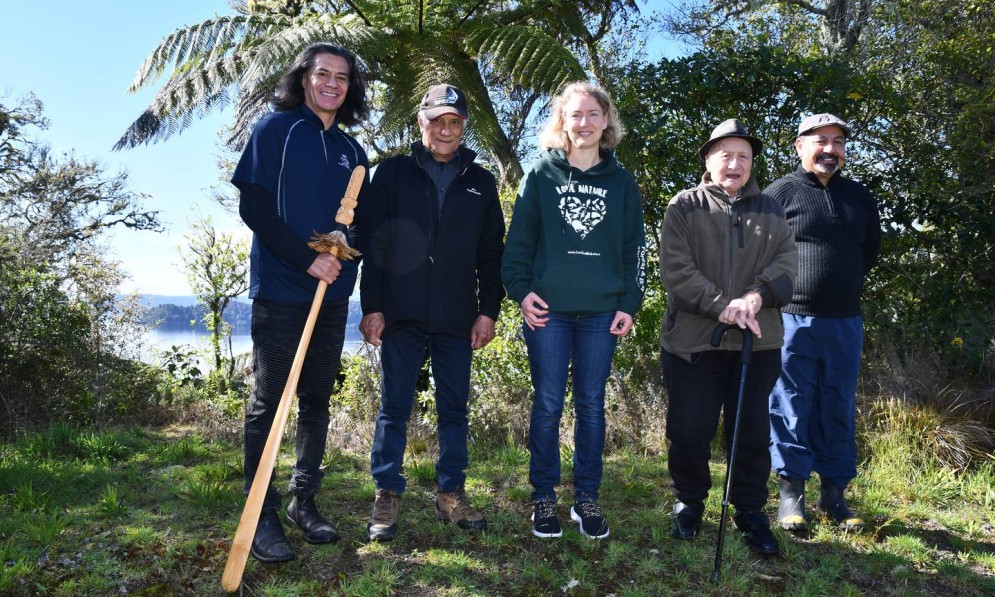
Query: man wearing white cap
column 812, row 407
column 431, row 284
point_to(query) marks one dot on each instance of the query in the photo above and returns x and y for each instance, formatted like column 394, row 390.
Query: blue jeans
column 586, row 341
column 276, row 333
column 401, row 357
column 813, row 405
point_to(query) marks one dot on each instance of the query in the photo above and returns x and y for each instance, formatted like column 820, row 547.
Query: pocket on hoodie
column 580, row 287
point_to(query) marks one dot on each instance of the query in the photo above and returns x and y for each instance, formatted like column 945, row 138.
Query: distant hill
column 156, row 300
column 187, row 314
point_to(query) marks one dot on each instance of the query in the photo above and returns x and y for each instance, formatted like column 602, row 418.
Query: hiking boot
column 303, row 514
column 756, row 532
column 383, row 521
column 545, row 524
column 455, row 507
column 832, row 504
column 591, row 519
column 269, row 544
column 791, row 511
column 687, row 520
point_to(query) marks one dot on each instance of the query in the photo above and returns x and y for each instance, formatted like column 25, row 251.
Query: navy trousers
column 813, row 406
column 401, row 356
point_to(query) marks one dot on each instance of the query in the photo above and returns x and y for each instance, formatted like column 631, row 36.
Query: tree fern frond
column 278, row 50
column 516, row 50
column 253, row 102
column 175, row 46
column 152, row 128
column 192, row 91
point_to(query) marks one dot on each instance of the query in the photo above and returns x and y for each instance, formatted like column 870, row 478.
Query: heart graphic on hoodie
column 580, row 215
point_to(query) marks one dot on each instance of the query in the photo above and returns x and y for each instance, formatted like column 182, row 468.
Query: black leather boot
column 832, row 504
column 791, row 511
column 756, row 532
column 269, row 544
column 303, row 514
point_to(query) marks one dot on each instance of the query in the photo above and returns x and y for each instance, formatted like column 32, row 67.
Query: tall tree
column 839, row 23
column 60, row 325
column 406, row 46
column 217, row 266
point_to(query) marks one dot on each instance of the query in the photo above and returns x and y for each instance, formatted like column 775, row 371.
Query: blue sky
column 79, row 58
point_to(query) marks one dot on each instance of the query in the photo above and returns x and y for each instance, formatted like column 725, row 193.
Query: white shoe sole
column 576, row 518
column 543, row 535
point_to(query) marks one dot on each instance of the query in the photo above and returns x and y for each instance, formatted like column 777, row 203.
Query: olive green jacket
column 714, row 249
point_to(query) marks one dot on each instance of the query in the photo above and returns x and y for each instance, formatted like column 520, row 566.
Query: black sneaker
column 545, row 524
column 591, row 518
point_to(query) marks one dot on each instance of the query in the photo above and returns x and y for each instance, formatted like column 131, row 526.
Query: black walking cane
column 744, row 359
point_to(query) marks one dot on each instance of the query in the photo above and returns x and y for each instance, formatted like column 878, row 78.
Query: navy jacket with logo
column 437, row 271
column 304, row 170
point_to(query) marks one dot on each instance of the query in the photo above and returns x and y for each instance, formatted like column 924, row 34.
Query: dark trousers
column 277, row 328
column 401, row 357
column 698, row 392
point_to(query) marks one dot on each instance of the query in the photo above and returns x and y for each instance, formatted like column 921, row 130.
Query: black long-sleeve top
column 838, row 234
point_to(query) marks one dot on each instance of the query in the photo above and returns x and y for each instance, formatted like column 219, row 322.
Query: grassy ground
column 152, row 512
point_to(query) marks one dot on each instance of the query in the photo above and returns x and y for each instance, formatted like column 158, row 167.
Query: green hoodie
column 576, row 238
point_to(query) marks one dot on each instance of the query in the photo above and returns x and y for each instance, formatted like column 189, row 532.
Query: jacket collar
column 750, row 189
column 464, row 155
column 308, row 114
column 812, row 180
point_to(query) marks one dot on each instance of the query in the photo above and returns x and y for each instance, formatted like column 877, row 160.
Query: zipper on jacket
column 740, row 233
column 324, row 148
column 829, row 201
column 731, row 243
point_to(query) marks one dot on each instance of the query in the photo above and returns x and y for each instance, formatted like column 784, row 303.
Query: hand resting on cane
column 743, row 311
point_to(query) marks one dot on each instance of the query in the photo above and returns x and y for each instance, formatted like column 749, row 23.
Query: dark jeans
column 401, row 356
column 277, row 328
column 586, row 341
column 698, row 391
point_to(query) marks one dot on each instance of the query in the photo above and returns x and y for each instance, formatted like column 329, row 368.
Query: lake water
column 163, row 340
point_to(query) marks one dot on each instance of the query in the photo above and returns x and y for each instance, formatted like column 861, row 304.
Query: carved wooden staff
column 337, row 244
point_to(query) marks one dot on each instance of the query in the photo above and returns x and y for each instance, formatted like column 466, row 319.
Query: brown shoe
column 455, row 507
column 383, row 521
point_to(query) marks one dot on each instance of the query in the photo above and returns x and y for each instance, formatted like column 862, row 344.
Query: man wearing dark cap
column 726, row 256
column 431, row 285
column 812, row 407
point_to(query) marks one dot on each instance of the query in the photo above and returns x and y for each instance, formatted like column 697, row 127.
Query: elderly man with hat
column 430, row 286
column 837, row 229
column 726, row 256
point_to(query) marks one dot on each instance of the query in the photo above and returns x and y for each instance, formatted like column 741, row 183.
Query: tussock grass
column 161, row 518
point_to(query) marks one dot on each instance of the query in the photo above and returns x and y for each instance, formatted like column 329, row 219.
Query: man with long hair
column 291, row 176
